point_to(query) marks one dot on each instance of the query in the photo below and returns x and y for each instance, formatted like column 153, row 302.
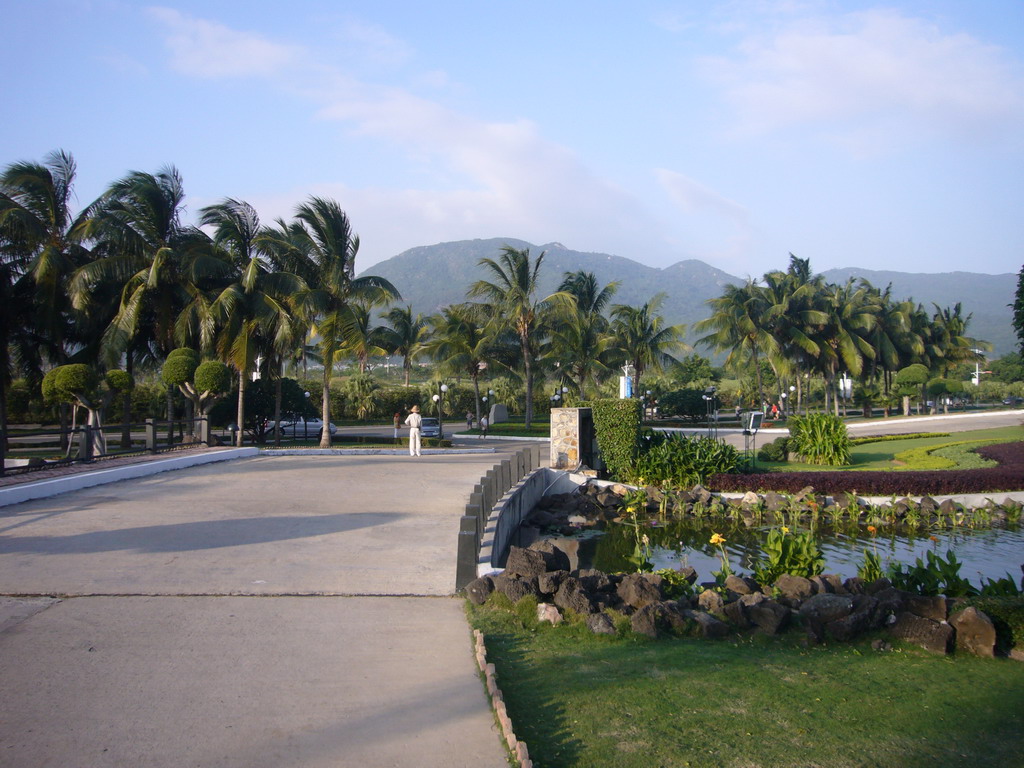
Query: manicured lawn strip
column 581, row 700
column 882, row 454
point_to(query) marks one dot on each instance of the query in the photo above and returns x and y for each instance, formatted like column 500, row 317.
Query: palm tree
column 405, row 337
column 462, row 342
column 38, row 254
column 950, row 334
column 328, row 245
column 643, row 341
column 579, row 341
column 252, row 313
column 361, row 338
column 842, row 338
column 156, row 265
column 738, row 324
column 511, row 293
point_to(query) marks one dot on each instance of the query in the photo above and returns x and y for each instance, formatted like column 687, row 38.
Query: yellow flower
column 640, row 481
column 785, row 529
column 631, row 510
column 717, row 538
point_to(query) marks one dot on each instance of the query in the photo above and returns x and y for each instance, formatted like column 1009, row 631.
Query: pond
column 988, row 553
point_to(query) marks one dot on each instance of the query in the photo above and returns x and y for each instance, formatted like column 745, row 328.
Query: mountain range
column 434, row 276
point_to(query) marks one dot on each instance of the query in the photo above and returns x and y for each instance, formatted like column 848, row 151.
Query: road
column 273, row 611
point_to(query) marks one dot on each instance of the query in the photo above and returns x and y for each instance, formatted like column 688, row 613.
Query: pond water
column 990, row 553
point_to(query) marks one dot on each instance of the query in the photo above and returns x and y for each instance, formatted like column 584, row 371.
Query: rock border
column 516, row 747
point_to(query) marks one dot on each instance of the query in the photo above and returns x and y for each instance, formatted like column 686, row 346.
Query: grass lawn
column 581, row 700
column 538, row 428
column 881, row 455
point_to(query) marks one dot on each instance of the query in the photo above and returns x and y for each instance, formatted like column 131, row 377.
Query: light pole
column 305, row 420
column 709, row 404
column 439, row 399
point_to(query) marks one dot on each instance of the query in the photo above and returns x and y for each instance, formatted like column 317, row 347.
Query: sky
column 854, row 134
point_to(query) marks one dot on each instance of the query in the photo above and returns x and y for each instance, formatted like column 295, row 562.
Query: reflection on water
column 985, row 554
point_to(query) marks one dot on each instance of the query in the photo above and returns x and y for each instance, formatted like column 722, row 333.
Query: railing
column 84, row 443
column 485, row 496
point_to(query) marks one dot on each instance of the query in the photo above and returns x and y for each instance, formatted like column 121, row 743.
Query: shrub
column 797, row 554
column 776, row 450
column 678, row 461
column 685, row 403
column 617, row 427
column 212, row 376
column 820, row 438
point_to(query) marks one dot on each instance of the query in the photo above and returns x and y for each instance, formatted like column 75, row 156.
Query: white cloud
column 875, row 66
column 207, row 49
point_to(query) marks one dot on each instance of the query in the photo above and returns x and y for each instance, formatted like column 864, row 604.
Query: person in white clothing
column 414, row 421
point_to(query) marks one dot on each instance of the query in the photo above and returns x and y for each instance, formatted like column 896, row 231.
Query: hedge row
column 1008, row 476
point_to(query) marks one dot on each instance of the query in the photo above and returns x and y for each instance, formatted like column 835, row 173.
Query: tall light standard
column 439, row 400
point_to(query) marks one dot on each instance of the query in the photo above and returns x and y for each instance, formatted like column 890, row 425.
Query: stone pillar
column 567, row 438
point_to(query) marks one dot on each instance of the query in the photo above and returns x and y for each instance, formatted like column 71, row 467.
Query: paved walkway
column 273, row 611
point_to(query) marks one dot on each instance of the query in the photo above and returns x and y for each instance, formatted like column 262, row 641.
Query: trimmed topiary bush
column 820, row 438
column 617, row 427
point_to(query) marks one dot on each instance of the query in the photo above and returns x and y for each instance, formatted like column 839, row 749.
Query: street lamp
column 305, row 420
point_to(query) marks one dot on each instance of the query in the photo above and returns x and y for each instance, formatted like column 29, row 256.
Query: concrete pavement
column 274, row 611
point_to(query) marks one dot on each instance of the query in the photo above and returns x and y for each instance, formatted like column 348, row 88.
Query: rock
column 608, row 499
column 736, row 615
column 854, row 585
column 880, row 645
column 577, row 520
column 843, row 500
column 619, row 489
column 878, row 585
column 645, row 620
column 712, row 602
column 848, row 627
column 700, row 494
column 795, row 588
column 820, row 609
column 834, row 582
column 515, row 588
column 975, row 632
column 528, row 563
column 775, row 502
column 949, row 507
column 823, row 608
column 740, row 585
column 753, row 599
column 933, row 608
column 807, row 490
column 594, row 581
column 820, row 585
column 930, row 635
column 750, row 499
column 555, row 558
column 600, row 624
column 548, row 583
column 479, row 590
column 768, row 616
column 572, row 597
column 928, row 505
column 689, row 573
column 549, row 613
column 890, row 603
column 710, row 627
column 637, row 592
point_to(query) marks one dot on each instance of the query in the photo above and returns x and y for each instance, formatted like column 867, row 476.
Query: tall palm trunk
column 126, row 408
column 528, row 368
column 325, row 409
column 240, row 413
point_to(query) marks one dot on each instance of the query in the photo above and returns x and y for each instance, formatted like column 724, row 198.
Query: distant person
column 398, row 423
column 483, row 427
column 775, row 410
column 415, row 422
column 469, row 419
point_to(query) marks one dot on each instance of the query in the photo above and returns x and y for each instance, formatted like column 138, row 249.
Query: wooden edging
column 516, row 747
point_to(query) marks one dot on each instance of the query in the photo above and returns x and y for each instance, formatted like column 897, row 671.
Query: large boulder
column 646, row 620
column 823, row 608
column 795, row 589
column 710, row 627
column 637, row 592
column 571, row 596
column 931, row 635
column 528, row 563
column 712, row 602
column 515, row 588
column 549, row 613
column 768, row 616
column 928, row 607
column 975, row 632
column 555, row 556
column 740, row 585
column 848, row 627
column 549, row 582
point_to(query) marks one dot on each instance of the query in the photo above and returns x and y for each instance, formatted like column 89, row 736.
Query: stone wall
column 568, row 436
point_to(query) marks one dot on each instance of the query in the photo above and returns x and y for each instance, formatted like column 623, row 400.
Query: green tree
column 511, row 292
column 462, row 343
column 579, row 340
column 738, row 323
column 405, row 336
column 643, row 341
column 326, row 242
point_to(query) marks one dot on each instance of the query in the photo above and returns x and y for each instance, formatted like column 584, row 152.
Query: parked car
column 430, row 427
column 1014, row 401
column 300, row 427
